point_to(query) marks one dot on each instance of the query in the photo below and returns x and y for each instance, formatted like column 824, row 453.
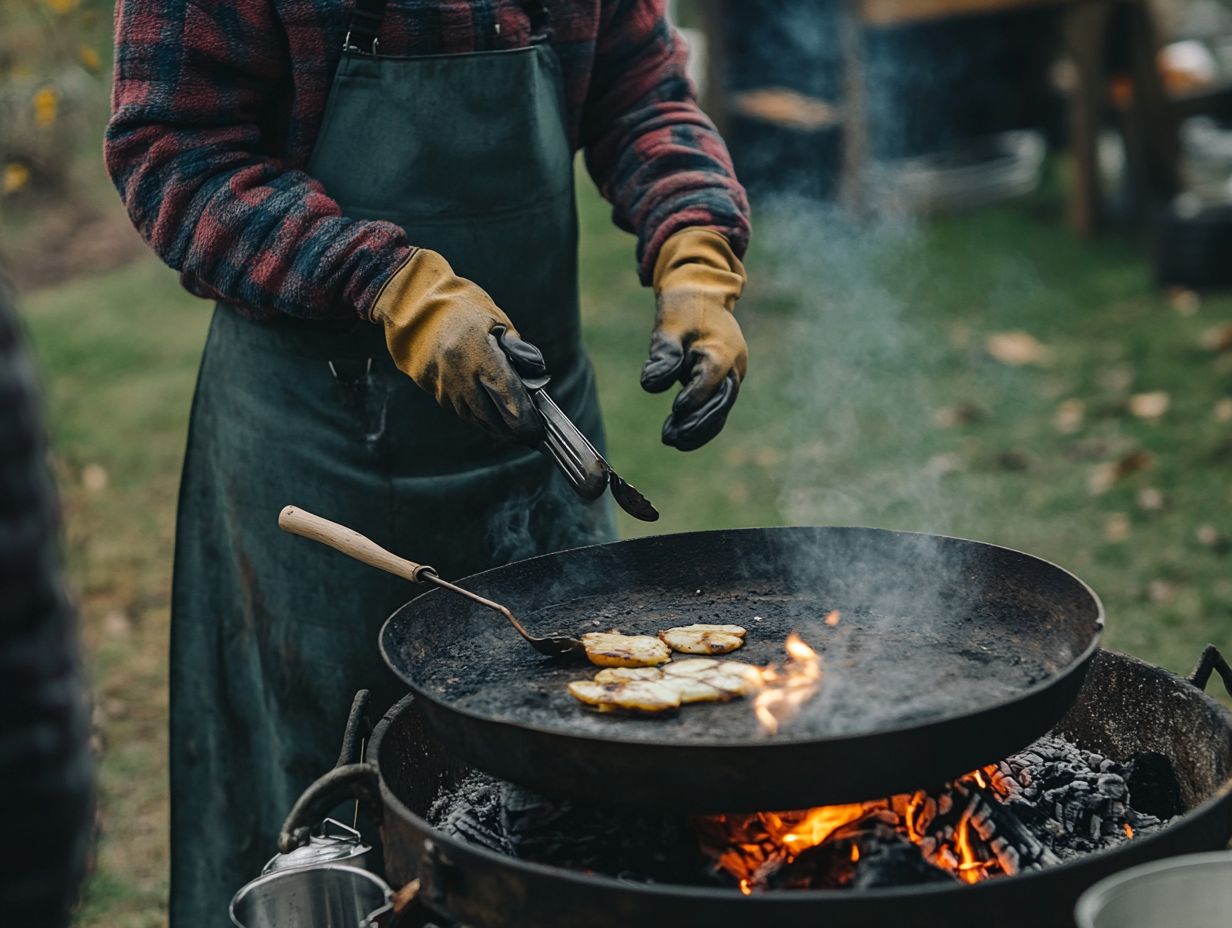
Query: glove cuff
column 690, row 253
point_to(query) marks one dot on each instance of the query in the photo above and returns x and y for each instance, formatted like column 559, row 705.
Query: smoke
column 859, row 388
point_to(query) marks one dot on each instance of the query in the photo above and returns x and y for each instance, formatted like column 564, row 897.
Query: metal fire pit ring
column 1125, row 705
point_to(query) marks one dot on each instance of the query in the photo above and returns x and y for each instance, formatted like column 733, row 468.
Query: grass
column 872, row 399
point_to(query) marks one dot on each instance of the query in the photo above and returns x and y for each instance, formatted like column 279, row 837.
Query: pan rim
column 1076, row 665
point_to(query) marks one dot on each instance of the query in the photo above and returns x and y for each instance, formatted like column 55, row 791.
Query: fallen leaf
column 1117, row 379
column 939, row 465
column 1184, row 302
column 94, row 477
column 947, row 417
column 1210, row 537
column 1069, row 416
column 1107, row 475
column 1218, row 338
column 1223, row 410
column 1017, row 349
column 1149, row 405
column 1161, row 591
column 116, row 624
column 1150, row 499
column 1117, row 528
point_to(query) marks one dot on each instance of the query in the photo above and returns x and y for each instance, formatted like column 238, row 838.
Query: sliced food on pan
column 612, row 649
column 646, row 696
column 704, row 639
column 627, row 674
column 730, row 678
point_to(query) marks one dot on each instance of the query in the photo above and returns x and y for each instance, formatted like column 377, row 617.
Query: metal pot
column 1194, row 891
column 333, row 843
column 330, row 896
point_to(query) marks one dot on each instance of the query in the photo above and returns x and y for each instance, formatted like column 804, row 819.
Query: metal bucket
column 1194, row 891
column 330, row 896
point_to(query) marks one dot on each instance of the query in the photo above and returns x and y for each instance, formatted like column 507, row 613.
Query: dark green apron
column 271, row 635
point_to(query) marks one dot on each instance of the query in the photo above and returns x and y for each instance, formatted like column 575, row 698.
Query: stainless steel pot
column 329, row 896
column 1194, row 891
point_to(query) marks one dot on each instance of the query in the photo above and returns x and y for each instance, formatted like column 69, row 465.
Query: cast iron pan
column 949, row 654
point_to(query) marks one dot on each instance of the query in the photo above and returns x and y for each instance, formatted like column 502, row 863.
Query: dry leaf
column 116, row 624
column 1017, row 349
column 1219, row 338
column 1069, row 416
column 1149, row 405
column 947, row 417
column 1210, row 537
column 1150, row 499
column 1105, row 476
column 1117, row 528
column 94, row 477
column 1223, row 410
column 1184, row 302
column 1161, row 591
column 939, row 465
column 1117, row 379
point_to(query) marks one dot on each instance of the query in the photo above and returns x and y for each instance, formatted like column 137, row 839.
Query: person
column 45, row 766
column 373, row 193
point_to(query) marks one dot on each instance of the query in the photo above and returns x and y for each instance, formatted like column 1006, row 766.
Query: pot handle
column 350, row 781
column 358, row 728
column 1211, row 660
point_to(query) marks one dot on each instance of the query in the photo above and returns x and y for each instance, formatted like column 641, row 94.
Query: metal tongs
column 581, row 463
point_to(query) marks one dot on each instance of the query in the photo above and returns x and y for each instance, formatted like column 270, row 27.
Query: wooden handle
column 349, row 542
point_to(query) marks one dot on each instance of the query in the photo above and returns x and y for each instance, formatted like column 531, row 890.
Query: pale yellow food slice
column 612, row 649
column 704, row 639
column 634, row 696
column 627, row 674
column 691, row 666
column 693, row 689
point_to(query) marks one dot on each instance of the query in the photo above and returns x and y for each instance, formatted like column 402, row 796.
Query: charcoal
column 1042, row 806
column 1154, row 786
column 896, row 863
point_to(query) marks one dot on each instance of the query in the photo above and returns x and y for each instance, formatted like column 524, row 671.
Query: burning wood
column 1048, row 803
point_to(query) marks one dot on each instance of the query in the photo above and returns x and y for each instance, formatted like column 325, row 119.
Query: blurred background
column 991, row 240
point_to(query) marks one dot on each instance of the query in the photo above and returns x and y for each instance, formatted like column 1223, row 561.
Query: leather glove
column 697, row 341
column 442, row 331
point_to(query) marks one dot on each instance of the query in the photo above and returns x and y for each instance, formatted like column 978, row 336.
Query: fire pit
column 1136, row 726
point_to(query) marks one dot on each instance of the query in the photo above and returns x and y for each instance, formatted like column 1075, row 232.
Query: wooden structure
column 1148, row 119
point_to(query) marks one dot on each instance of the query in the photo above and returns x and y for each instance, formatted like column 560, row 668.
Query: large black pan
column 949, row 654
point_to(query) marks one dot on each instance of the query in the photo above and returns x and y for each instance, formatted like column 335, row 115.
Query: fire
column 782, row 690
column 1129, row 831
column 833, row 617
column 753, row 848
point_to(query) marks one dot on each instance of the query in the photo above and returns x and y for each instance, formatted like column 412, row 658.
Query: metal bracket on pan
column 1211, row 659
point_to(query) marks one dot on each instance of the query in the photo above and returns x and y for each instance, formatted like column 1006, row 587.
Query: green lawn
column 872, row 399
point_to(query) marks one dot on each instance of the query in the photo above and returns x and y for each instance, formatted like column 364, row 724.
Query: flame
column 833, row 617
column 1129, row 831
column 753, row 847
column 783, row 690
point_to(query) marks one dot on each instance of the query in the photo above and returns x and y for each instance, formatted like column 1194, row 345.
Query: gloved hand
column 440, row 331
column 697, row 341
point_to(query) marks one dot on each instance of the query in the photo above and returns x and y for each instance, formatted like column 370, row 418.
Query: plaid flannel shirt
column 216, row 106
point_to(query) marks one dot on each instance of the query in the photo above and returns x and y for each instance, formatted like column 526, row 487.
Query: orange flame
column 783, row 690
column 752, row 847
column 833, row 617
column 1129, row 831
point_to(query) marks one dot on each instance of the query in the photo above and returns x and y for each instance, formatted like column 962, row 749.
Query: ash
column 1049, row 803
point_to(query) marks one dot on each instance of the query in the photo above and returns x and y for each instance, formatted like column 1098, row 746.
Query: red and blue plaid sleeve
column 655, row 155
column 188, row 148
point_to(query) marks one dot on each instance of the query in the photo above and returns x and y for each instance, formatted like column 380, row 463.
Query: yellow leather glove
column 442, row 330
column 697, row 341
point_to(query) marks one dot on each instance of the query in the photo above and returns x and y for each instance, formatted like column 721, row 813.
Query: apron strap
column 363, row 33
column 365, row 28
